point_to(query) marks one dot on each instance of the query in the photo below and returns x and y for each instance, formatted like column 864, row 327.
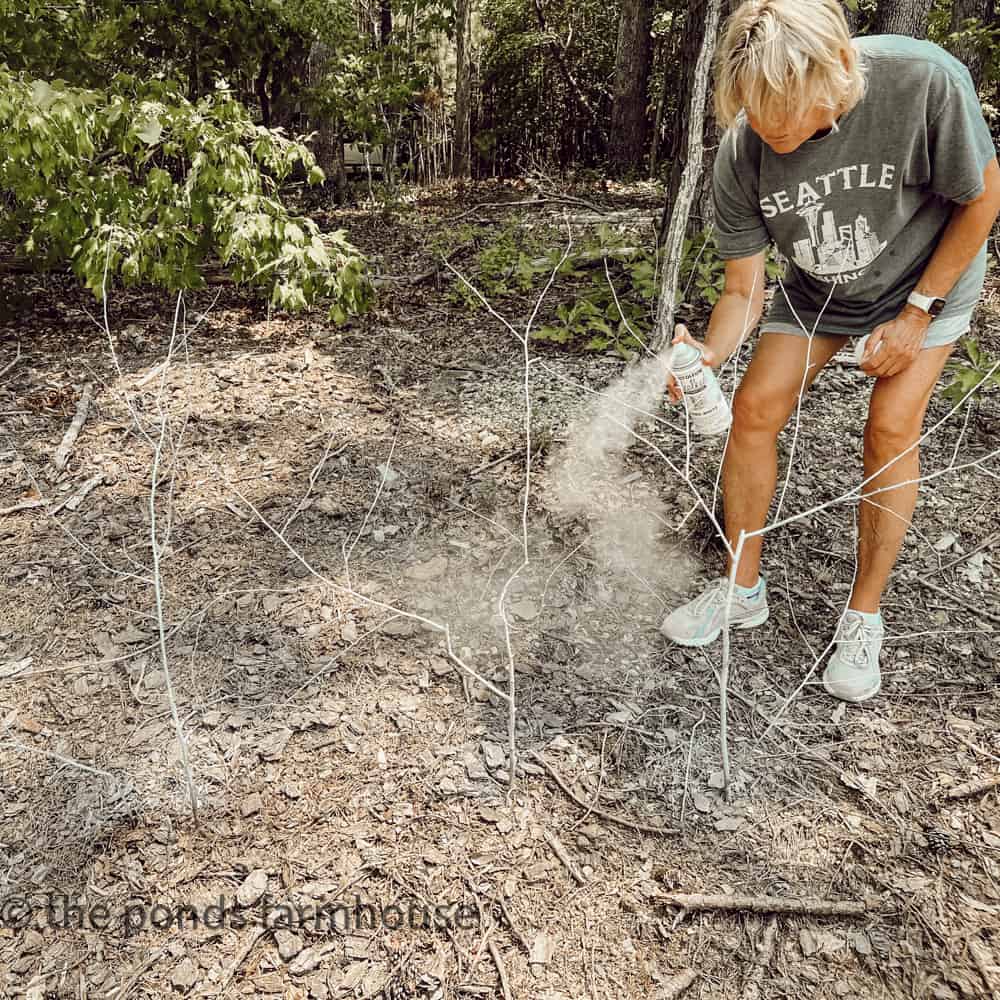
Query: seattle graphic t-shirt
column 859, row 211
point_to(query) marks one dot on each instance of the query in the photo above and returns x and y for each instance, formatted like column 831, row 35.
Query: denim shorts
column 944, row 330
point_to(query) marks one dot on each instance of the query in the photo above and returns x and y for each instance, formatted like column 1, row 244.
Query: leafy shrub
column 615, row 285
column 138, row 183
column 973, row 375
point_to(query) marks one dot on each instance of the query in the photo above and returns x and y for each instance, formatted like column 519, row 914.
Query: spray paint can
column 707, row 408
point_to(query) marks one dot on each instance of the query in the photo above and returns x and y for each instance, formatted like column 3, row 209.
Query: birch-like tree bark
column 680, row 209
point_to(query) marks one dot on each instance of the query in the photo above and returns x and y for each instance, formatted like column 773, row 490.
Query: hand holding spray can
column 707, row 407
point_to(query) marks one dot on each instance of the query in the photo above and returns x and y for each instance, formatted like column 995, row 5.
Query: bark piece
column 72, row 432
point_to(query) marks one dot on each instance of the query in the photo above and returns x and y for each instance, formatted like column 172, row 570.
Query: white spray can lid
column 684, row 355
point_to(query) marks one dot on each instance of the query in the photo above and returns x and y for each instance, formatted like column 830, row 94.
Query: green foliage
column 609, row 285
column 973, row 375
column 138, row 183
column 528, row 108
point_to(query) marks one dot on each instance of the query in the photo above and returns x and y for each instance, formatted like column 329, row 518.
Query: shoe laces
column 855, row 635
column 714, row 596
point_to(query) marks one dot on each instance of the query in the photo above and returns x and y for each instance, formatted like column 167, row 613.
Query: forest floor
column 311, row 477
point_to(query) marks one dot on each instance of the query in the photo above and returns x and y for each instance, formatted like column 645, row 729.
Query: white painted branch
column 689, row 182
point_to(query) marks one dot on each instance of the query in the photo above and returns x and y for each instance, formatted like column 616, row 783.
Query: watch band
column 930, row 304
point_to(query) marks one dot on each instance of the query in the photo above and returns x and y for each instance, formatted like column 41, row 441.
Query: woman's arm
column 969, row 227
column 735, row 315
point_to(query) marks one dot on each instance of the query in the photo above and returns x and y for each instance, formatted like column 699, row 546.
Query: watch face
column 936, row 306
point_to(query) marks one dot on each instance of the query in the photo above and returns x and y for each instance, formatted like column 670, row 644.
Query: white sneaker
column 853, row 672
column 700, row 621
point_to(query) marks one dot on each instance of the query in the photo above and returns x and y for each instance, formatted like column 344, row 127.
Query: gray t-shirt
column 858, row 212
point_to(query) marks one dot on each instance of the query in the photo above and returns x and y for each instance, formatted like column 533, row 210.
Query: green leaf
column 151, row 132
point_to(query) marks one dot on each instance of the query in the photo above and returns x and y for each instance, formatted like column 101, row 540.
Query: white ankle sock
column 868, row 617
column 747, row 591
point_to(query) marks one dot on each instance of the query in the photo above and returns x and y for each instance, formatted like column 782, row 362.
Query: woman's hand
column 681, row 336
column 897, row 342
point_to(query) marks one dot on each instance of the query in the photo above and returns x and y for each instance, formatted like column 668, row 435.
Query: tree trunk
column 692, row 34
column 385, row 22
column 629, row 124
column 853, row 18
column 984, row 11
column 462, row 152
column 328, row 146
column 260, row 88
column 902, row 17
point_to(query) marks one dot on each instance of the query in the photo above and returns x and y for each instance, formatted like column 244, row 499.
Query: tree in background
column 462, row 155
column 902, row 17
column 633, row 62
column 973, row 24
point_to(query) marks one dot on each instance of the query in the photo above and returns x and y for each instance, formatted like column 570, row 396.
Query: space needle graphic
column 810, row 212
column 831, row 250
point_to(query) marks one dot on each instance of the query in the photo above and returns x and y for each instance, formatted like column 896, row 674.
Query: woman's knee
column 757, row 411
column 890, row 434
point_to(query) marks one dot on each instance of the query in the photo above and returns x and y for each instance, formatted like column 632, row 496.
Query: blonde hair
column 779, row 57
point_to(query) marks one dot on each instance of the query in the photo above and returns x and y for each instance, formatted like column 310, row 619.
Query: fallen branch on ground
column 676, row 985
column 700, row 902
column 968, row 605
column 501, row 971
column 971, row 788
column 559, row 850
column 610, row 817
column 23, row 505
column 764, row 953
column 985, row 544
column 69, row 438
column 10, row 364
column 74, row 501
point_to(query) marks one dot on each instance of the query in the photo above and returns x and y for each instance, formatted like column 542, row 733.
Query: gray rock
column 252, row 805
column 155, row 680
column 185, row 975
column 31, row 943
column 253, row 887
column 289, row 945
column 305, row 961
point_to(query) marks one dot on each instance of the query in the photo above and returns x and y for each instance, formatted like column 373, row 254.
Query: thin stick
column 69, row 762
column 687, row 769
column 158, row 593
column 968, row 605
column 74, row 501
column 501, row 971
column 985, row 544
column 10, row 364
column 559, row 850
column 118, row 992
column 519, row 937
column 981, row 956
column 241, row 957
column 762, row 959
column 610, row 817
column 23, row 505
column 702, row 902
column 69, row 438
column 971, row 788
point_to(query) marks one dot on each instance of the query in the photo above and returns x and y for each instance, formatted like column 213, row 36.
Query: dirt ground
column 308, row 480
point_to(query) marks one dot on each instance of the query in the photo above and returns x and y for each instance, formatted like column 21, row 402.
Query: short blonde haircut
column 782, row 57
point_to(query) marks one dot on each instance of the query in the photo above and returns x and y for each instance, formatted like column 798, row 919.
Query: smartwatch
column 930, row 304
